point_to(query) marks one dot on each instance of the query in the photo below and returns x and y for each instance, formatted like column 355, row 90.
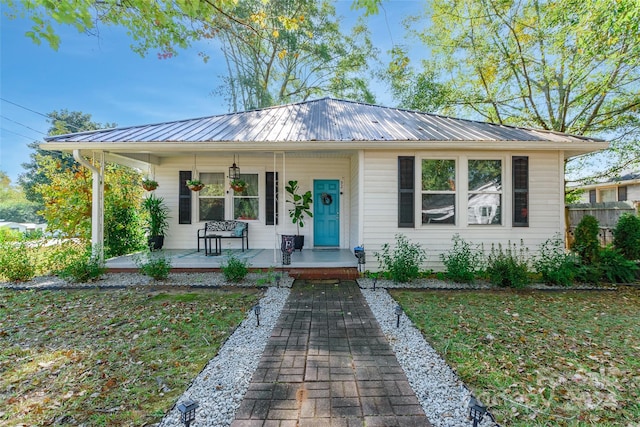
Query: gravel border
column 443, row 396
column 368, row 283
column 222, row 384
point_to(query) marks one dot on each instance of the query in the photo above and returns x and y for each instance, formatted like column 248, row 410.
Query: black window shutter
column 406, row 192
column 184, row 199
column 622, row 194
column 520, row 166
column 271, row 196
column 592, row 196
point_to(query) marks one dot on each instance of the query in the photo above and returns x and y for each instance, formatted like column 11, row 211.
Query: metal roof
column 325, row 119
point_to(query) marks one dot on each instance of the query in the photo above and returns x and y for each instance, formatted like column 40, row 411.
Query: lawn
column 566, row 358
column 116, row 358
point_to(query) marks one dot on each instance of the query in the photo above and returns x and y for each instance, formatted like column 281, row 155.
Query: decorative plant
column 149, row 184
column 195, row 184
column 238, row 185
column 301, row 204
column 402, row 263
column 157, row 218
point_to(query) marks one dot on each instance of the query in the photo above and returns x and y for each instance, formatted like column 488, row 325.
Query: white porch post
column 97, row 204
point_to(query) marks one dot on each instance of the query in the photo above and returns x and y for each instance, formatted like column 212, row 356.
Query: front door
column 326, row 212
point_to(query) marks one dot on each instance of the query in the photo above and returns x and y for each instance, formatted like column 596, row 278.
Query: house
column 374, row 172
column 23, row 227
column 625, row 188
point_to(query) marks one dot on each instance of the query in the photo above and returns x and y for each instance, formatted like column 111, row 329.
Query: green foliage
column 554, row 264
column 9, row 235
column 462, row 261
column 157, row 215
column 234, row 269
column 83, row 269
column 301, row 204
column 626, row 236
column 615, row 268
column 586, row 243
column 156, row 265
column 124, row 231
column 403, row 262
column 508, row 267
column 16, row 262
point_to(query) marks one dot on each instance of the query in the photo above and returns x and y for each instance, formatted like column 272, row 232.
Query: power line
column 23, row 125
column 48, row 116
column 18, row 134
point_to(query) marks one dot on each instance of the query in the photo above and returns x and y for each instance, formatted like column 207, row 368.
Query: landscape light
column 187, row 411
column 256, row 310
column 476, row 411
column 398, row 313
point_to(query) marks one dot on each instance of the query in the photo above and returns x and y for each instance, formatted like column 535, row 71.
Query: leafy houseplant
column 238, row 185
column 149, row 184
column 301, row 207
column 157, row 216
column 195, row 184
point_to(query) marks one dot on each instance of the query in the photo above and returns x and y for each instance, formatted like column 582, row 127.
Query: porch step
column 342, row 273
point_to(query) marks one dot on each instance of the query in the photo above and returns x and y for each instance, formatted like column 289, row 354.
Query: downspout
column 97, row 205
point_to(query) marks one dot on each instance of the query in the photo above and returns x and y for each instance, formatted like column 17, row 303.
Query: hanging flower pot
column 195, row 184
column 149, row 184
column 238, row 185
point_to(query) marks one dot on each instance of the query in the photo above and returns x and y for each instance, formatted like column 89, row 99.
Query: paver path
column 327, row 363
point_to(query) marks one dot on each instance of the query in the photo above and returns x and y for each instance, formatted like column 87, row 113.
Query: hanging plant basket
column 149, row 184
column 195, row 185
column 238, row 185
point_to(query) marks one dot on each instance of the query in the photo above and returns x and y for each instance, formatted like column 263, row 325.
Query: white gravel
column 221, row 385
column 444, row 398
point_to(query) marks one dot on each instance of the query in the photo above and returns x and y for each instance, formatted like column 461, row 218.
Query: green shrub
column 9, row 235
column 462, row 261
column 56, row 258
column 615, row 268
column 586, row 243
column 402, row 264
column 508, row 267
column 16, row 262
column 554, row 264
column 124, row 230
column 155, row 265
column 234, row 269
column 83, row 269
column 626, row 236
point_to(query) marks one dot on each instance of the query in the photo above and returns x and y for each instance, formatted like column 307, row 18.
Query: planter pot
column 156, row 242
column 149, row 187
column 238, row 188
column 298, row 242
column 196, row 187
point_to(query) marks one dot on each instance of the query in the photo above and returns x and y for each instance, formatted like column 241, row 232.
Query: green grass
column 113, row 358
column 539, row 358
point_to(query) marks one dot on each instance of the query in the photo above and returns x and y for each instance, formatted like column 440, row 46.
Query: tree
column 13, row 204
column 294, row 51
column 539, row 63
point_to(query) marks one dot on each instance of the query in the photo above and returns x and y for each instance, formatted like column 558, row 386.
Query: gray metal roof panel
column 324, row 119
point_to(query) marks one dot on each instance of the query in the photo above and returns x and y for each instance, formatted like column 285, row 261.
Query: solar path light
column 188, row 412
column 398, row 313
column 256, row 310
column 476, row 411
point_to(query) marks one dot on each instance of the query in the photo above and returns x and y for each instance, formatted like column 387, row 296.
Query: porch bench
column 225, row 229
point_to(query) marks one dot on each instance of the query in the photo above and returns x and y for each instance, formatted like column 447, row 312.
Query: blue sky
column 105, row 78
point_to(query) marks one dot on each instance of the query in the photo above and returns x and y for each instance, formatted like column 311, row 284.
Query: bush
column 554, row 264
column 626, row 236
column 83, row 269
column 157, row 266
column 16, row 262
column 402, row 264
column 508, row 268
column 586, row 243
column 124, row 231
column 462, row 261
column 234, row 269
column 615, row 268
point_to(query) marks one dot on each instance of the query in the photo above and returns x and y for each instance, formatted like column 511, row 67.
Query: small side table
column 208, row 249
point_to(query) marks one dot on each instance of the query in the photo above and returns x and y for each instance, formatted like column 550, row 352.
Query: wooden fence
column 607, row 214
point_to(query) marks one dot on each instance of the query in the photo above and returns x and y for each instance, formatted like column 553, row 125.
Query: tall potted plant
column 157, row 217
column 301, row 207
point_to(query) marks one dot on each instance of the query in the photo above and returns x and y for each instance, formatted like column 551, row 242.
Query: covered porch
column 308, row 263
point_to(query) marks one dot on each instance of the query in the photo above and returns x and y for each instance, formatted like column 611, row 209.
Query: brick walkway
column 327, row 363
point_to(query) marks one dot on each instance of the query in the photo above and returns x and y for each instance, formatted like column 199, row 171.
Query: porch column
column 97, row 204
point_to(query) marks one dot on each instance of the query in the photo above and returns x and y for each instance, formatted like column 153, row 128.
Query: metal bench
column 223, row 229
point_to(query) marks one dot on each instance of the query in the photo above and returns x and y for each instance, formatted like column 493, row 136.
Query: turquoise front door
column 326, row 212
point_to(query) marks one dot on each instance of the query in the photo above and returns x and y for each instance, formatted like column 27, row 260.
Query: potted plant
column 149, row 184
column 301, row 207
column 195, row 184
column 157, row 217
column 238, row 185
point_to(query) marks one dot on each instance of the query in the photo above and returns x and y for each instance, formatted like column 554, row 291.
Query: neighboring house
column 625, row 188
column 23, row 227
column 374, row 172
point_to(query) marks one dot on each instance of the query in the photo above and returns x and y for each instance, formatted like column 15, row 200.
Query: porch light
column 398, row 313
column 476, row 411
column 188, row 412
column 256, row 310
column 234, row 170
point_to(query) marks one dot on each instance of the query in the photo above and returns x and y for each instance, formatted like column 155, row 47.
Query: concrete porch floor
column 190, row 259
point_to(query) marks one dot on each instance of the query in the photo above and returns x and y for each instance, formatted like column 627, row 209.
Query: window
column 592, row 196
column 520, row 191
column 406, row 193
column 246, row 203
column 211, row 199
column 438, row 192
column 484, row 204
column 622, row 194
column 608, row 195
